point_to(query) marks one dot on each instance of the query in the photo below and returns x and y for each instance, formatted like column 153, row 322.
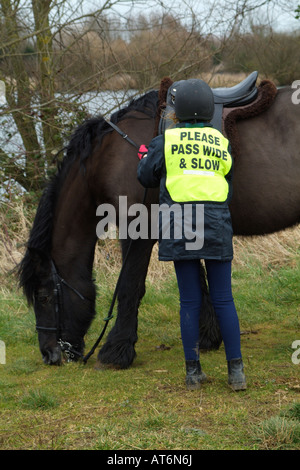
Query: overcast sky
column 279, row 13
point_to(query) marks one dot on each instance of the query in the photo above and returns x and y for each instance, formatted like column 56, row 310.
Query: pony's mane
column 79, row 147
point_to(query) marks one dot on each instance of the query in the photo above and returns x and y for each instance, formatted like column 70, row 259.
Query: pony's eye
column 44, row 299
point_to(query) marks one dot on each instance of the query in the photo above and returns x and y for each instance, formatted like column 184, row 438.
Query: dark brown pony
column 99, row 166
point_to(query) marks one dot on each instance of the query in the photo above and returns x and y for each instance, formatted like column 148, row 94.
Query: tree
column 29, row 61
column 18, row 95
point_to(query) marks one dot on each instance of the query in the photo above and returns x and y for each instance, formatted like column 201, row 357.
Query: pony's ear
column 40, row 260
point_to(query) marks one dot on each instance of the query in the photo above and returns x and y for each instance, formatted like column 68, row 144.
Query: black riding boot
column 194, row 375
column 236, row 376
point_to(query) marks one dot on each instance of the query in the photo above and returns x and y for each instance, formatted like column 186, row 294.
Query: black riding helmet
column 194, row 100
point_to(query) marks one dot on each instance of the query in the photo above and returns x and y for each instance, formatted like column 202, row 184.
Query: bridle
column 69, row 351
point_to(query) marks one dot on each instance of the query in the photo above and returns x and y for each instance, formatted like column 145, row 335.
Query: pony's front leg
column 119, row 348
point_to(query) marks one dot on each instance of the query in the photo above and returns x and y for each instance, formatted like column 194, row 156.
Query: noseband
column 67, row 349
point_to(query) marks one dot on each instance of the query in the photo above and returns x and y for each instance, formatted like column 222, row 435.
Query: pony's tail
column 209, row 331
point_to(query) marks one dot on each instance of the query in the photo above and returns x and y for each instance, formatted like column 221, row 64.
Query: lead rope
column 110, row 312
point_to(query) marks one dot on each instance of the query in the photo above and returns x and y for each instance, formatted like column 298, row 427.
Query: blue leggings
column 219, row 281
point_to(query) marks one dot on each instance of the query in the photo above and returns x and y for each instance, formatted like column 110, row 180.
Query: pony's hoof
column 117, row 355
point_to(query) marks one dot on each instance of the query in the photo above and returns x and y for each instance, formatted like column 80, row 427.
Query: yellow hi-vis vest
column 197, row 161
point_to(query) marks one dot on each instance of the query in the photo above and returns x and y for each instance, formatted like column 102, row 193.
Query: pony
column 99, row 166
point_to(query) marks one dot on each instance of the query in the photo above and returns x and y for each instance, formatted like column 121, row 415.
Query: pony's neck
column 74, row 227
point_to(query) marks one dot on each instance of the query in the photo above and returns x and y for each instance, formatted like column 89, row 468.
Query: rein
column 122, row 134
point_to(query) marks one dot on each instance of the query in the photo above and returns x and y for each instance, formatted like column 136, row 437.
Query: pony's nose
column 52, row 356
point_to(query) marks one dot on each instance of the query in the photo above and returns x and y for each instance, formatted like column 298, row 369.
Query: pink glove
column 142, row 151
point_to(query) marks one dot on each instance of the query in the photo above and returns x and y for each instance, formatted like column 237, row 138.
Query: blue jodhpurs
column 219, row 281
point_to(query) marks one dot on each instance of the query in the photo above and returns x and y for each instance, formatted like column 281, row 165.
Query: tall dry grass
column 15, row 223
column 276, row 250
column 273, row 250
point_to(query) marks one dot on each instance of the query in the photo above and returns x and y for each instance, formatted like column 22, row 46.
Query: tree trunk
column 18, row 96
column 48, row 106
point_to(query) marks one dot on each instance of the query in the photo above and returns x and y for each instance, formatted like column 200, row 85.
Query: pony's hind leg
column 119, row 350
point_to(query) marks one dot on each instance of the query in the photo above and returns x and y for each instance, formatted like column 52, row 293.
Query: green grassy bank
column 78, row 406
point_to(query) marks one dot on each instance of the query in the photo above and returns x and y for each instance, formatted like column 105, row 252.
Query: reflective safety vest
column 197, row 161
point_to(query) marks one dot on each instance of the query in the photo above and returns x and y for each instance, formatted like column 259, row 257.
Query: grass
column 78, row 406
column 147, row 406
column 39, row 399
column 280, row 433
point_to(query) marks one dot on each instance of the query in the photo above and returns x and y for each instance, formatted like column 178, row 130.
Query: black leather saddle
column 239, row 95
